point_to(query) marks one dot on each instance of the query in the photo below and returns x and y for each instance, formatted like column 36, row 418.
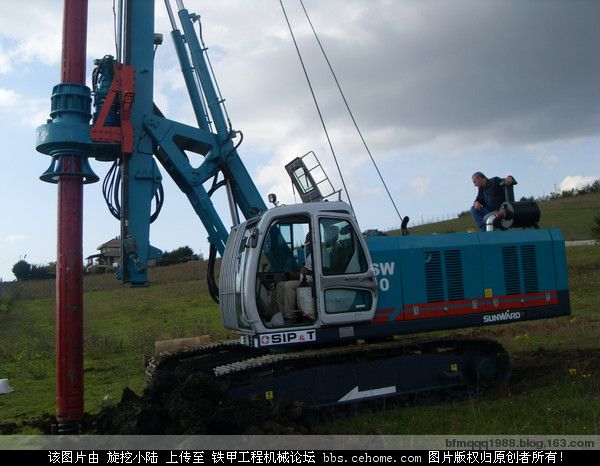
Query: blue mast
column 168, row 141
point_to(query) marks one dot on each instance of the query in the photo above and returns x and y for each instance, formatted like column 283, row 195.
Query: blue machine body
column 462, row 279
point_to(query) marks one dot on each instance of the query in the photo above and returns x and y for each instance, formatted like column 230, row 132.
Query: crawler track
column 332, row 376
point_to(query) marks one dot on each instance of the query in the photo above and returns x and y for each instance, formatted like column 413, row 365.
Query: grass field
column 120, row 327
column 554, row 389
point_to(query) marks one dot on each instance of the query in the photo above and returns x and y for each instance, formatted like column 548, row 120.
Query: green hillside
column 573, row 215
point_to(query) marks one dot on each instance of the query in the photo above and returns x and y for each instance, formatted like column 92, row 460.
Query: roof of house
column 115, row 243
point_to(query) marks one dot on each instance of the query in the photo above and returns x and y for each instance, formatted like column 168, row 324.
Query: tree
column 596, row 228
column 22, row 270
column 26, row 271
column 177, row 256
column 43, row 272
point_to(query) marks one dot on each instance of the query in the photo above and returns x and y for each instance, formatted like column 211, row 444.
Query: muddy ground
column 199, row 404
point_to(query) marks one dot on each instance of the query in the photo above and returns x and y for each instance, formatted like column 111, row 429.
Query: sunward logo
column 502, row 317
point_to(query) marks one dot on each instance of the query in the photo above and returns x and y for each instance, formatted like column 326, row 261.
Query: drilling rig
column 343, row 343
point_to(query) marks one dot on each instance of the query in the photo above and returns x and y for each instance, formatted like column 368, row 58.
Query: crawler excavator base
column 321, row 377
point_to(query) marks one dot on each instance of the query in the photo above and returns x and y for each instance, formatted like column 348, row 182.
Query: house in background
column 109, row 255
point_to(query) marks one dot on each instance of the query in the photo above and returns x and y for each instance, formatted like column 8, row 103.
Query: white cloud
column 34, row 112
column 8, row 97
column 549, row 160
column 420, row 186
column 575, row 182
column 435, row 91
column 28, row 111
column 5, row 62
column 269, row 180
column 12, row 239
column 31, row 33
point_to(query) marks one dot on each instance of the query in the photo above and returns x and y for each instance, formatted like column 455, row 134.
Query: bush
column 22, row 270
column 590, row 188
column 99, row 269
column 568, row 193
column 596, row 228
column 26, row 271
column 177, row 256
column 587, row 189
column 43, row 272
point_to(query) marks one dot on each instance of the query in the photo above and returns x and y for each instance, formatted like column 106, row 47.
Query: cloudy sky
column 440, row 89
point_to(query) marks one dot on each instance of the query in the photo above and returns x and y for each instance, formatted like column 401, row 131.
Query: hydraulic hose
column 213, row 288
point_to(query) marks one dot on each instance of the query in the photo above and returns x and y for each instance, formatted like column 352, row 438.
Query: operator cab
column 297, row 267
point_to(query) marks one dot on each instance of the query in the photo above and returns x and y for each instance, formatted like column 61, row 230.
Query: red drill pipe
column 69, row 266
column 74, row 41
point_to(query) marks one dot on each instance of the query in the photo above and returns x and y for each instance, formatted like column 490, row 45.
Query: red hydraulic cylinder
column 69, row 273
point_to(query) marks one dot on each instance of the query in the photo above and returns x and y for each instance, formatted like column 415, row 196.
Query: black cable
column 159, row 197
column 213, row 288
column 96, row 72
column 316, row 103
column 235, row 146
column 350, row 111
column 108, row 186
column 216, row 186
column 111, row 190
column 117, row 191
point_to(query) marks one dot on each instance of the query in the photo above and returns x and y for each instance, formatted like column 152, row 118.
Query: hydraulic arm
column 132, row 132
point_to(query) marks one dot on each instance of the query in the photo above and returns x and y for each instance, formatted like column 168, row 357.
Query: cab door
column 345, row 280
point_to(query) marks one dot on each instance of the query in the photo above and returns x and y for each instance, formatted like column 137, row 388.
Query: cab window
column 239, row 273
column 341, row 250
column 282, row 259
column 347, row 300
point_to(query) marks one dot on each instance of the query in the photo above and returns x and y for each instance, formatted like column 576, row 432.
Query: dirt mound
column 199, row 405
column 43, row 423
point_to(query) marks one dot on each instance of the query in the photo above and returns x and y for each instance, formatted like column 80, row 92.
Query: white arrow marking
column 355, row 394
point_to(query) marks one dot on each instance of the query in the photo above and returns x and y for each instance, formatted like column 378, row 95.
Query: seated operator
column 286, row 290
column 490, row 196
